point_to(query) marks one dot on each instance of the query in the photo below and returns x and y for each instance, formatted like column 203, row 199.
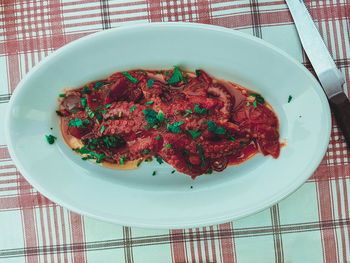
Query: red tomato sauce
column 192, row 121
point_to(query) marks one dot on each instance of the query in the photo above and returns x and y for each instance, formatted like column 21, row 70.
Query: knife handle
column 340, row 105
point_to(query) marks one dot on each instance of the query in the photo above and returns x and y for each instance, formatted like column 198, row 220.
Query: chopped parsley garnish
column 198, row 73
column 254, row 104
column 83, row 101
column 138, row 163
column 138, row 132
column 149, row 102
column 230, row 137
column 98, row 85
column 90, row 154
column 248, row 104
column 145, row 151
column 159, row 136
column 62, row 95
column 173, row 171
column 74, row 111
column 160, row 116
column 150, row 83
column 132, row 108
column 86, row 90
column 175, row 128
column 290, row 98
column 199, row 110
column 177, row 76
column 89, row 112
column 201, row 154
column 243, row 143
column 159, row 160
column 110, row 141
column 151, row 117
column 122, row 160
column 258, row 97
column 167, row 146
column 120, row 114
column 108, row 105
column 129, row 77
column 188, row 111
column 210, row 171
column 102, row 129
column 212, row 127
column 154, row 173
column 195, row 133
column 50, row 139
column 77, row 122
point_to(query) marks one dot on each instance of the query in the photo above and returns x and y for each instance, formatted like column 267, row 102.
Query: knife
column 330, row 77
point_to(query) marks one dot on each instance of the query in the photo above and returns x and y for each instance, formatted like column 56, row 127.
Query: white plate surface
column 136, row 198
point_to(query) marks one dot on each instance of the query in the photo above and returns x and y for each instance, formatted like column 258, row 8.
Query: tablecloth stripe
column 30, row 30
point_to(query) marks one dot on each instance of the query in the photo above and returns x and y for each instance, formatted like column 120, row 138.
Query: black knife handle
column 340, row 105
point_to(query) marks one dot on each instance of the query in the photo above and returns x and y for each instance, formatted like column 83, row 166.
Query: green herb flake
column 154, row 173
column 248, row 104
column 102, row 129
column 50, row 139
column 98, row 85
column 108, row 106
column 160, row 116
column 75, row 123
column 89, row 112
column 201, row 154
column 129, row 77
column 159, row 160
column 258, row 97
column 74, row 111
column 290, row 98
column 132, row 108
column 195, row 133
column 198, row 72
column 150, row 83
column 175, row 128
column 120, row 114
column 173, row 171
column 138, row 132
column 177, row 76
column 199, row 110
column 83, row 101
column 209, row 171
column 243, row 143
column 122, row 160
column 139, row 162
column 62, row 95
column 159, row 136
column 254, row 104
column 230, row 137
column 145, row 151
column 152, row 117
column 149, row 102
column 212, row 127
column 167, row 146
column 86, row 90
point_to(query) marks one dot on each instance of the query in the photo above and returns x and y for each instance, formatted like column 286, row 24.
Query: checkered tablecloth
column 311, row 225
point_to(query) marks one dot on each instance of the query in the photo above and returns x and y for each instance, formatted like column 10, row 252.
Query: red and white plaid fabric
column 311, row 225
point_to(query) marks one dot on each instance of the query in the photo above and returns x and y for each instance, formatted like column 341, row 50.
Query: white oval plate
column 136, row 198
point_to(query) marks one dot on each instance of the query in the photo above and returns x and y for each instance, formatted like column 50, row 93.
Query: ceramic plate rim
column 203, row 222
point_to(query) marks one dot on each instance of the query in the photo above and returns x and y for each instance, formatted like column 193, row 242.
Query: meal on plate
column 192, row 121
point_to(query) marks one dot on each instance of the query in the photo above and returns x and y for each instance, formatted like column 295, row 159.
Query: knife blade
column 329, row 75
